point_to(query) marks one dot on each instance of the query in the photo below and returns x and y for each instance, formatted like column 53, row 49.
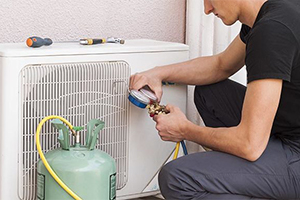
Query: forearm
column 199, row 71
column 232, row 140
column 206, row 70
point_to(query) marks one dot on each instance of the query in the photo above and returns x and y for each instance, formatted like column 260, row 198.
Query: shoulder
column 279, row 16
column 271, row 51
column 270, row 32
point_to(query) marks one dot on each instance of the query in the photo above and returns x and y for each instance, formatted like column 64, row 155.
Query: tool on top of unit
column 35, row 41
column 90, row 41
column 115, row 40
column 145, row 98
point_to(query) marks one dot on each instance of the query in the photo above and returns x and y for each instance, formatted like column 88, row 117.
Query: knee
column 177, row 182
column 168, row 184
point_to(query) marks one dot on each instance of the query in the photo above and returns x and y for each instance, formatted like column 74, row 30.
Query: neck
column 249, row 11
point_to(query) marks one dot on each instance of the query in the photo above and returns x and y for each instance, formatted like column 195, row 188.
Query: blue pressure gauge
column 141, row 98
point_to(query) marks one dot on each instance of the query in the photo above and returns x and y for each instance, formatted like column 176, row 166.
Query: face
column 226, row 10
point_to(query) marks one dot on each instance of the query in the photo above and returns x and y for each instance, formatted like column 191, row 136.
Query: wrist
column 185, row 130
column 160, row 73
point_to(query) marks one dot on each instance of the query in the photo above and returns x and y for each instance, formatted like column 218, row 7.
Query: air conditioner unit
column 81, row 83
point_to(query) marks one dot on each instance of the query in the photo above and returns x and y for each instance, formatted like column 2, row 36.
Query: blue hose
column 184, row 148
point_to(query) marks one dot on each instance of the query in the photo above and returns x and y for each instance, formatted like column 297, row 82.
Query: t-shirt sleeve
column 270, row 52
column 244, row 32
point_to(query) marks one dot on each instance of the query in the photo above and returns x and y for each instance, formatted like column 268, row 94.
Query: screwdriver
column 38, row 42
column 90, row 41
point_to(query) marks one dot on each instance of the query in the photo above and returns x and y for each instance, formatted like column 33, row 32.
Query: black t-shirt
column 273, row 51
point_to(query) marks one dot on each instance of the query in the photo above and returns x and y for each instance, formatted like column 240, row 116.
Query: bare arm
column 209, row 69
column 199, row 71
column 247, row 140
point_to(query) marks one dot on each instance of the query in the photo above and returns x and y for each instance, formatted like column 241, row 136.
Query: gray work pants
column 217, row 175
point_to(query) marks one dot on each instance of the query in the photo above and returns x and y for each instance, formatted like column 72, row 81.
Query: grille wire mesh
column 78, row 92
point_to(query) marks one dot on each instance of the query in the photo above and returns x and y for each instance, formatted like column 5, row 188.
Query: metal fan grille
column 78, row 92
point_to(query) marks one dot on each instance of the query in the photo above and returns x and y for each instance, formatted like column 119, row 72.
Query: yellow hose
column 176, row 150
column 48, row 167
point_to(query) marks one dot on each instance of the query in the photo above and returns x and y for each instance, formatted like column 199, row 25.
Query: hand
column 172, row 126
column 150, row 78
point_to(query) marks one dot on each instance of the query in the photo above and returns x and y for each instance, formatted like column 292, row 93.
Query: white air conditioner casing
column 80, row 83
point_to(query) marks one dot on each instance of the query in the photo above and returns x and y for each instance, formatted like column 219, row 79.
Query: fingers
column 166, row 137
column 131, row 81
column 163, row 138
column 171, row 108
column 158, row 94
column 137, row 81
column 156, row 117
column 159, row 121
column 168, row 126
column 160, row 128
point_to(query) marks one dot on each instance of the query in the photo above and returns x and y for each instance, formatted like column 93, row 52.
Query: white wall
column 67, row 20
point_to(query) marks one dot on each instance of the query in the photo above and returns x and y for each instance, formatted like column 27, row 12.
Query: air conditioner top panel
column 74, row 48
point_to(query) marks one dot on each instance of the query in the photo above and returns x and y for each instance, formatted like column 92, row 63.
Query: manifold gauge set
column 144, row 98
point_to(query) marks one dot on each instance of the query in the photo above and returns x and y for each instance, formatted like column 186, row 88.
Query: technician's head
column 227, row 10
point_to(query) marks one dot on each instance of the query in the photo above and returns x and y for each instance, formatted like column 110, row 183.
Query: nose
column 208, row 8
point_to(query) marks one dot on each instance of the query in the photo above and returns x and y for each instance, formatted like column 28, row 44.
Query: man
column 254, row 131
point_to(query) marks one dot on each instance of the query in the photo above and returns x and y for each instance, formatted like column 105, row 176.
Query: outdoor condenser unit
column 81, row 83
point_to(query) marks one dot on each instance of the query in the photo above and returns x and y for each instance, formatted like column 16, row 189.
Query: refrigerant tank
column 88, row 172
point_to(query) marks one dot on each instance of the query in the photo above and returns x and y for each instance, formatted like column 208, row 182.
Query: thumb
column 170, row 107
column 158, row 94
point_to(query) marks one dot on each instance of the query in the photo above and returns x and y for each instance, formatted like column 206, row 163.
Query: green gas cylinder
column 88, row 172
